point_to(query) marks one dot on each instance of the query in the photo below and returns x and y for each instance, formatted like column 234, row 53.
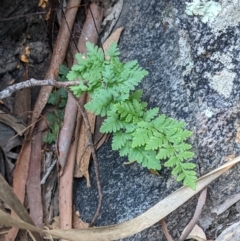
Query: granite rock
column 193, row 76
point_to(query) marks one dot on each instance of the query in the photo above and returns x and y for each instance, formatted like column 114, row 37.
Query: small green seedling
column 55, row 120
column 139, row 133
column 57, row 98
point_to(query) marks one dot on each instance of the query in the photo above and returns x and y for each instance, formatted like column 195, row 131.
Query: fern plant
column 139, row 133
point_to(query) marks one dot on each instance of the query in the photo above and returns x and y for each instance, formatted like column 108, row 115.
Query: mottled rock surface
column 193, row 76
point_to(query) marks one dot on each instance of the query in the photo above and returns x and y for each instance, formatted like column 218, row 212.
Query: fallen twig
column 46, row 175
column 33, row 82
column 165, row 230
column 58, row 55
column 197, row 213
column 33, row 188
column 219, row 209
column 65, row 184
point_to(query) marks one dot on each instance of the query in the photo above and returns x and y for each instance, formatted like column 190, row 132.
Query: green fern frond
column 141, row 137
column 100, row 103
column 145, row 158
column 113, row 51
column 181, row 146
column 150, row 114
column 165, row 153
column 183, row 171
column 72, row 75
column 158, row 122
column 76, row 90
column 155, row 142
column 130, row 111
column 184, row 155
column 131, row 65
column 140, row 134
column 108, row 75
column 136, row 95
column 166, row 137
column 94, row 53
column 112, row 124
column 119, row 139
column 125, row 149
column 190, row 181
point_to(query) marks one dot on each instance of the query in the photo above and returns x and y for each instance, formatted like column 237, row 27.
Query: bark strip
column 89, row 33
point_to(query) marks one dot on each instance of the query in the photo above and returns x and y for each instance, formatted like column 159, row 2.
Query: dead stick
column 197, row 213
column 94, row 155
column 165, row 230
column 33, row 82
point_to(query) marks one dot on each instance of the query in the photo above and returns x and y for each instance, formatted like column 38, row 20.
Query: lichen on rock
column 222, row 82
column 206, row 10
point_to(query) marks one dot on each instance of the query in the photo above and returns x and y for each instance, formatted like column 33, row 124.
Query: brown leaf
column 34, row 193
column 7, row 195
column 84, row 151
column 20, row 176
column 197, row 234
column 78, row 223
column 113, row 38
column 56, row 223
column 13, row 122
column 99, row 138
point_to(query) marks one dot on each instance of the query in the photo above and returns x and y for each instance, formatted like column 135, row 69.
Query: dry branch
column 34, row 188
column 58, row 56
column 197, row 213
column 165, row 230
column 33, row 82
